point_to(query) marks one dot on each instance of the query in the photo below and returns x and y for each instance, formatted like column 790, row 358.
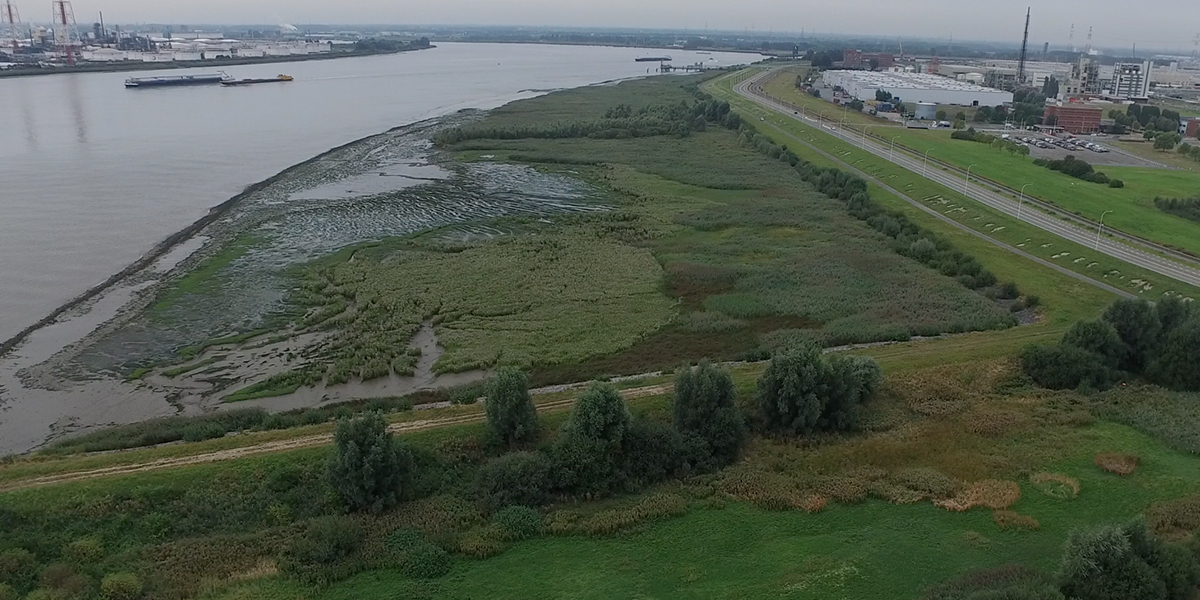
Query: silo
column 926, row 111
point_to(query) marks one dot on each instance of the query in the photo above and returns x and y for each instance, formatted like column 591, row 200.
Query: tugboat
column 280, row 77
column 172, row 80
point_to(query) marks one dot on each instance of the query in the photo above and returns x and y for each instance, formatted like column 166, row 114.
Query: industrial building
column 915, row 87
column 1122, row 81
column 1074, row 118
column 855, row 59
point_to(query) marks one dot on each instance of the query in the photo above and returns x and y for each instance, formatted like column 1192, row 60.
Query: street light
column 967, row 182
column 864, row 135
column 925, row 164
column 892, row 152
column 1099, row 229
column 1022, row 200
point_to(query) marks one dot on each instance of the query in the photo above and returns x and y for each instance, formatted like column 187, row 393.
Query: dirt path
column 289, row 444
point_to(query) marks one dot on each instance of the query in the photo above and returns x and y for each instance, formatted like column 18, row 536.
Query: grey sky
column 1117, row 23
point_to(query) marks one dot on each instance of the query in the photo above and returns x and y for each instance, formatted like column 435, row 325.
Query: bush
column 368, row 469
column 84, row 550
column 588, row 453
column 511, row 416
column 7, row 593
column 1065, row 367
column 1009, row 290
column 656, row 451
column 1136, row 321
column 705, row 405
column 519, row 522
column 1033, row 301
column 1173, row 311
column 65, row 582
column 424, row 561
column 1097, row 337
column 1116, row 183
column 18, row 567
column 515, row 478
column 120, row 586
column 325, row 552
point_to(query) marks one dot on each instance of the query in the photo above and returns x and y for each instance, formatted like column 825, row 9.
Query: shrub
column 368, row 469
column 519, row 522
column 705, row 405
column 1097, row 337
column 120, row 586
column 1112, row 562
column 7, row 593
column 1116, row 183
column 424, row 561
column 515, row 478
column 84, row 550
column 1174, row 311
column 588, row 453
column 1117, row 462
column 325, row 552
column 1136, row 321
column 656, row 451
column 1009, row 290
column 1065, row 367
column 511, row 416
column 482, row 542
column 17, row 566
column 1010, row 582
column 65, row 582
column 1033, row 301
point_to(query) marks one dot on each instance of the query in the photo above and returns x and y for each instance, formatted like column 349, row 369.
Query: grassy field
column 710, row 249
column 968, row 212
column 1132, row 206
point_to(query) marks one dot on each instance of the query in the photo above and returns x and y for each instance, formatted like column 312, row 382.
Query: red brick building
column 853, row 59
column 1192, row 127
column 1075, row 119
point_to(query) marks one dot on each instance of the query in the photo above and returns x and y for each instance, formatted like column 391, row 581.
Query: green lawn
column 1132, row 206
column 864, row 551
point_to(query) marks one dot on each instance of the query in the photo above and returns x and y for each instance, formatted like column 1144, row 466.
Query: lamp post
column 925, row 164
column 967, row 181
column 892, row 152
column 863, row 139
column 1099, row 229
column 1022, row 200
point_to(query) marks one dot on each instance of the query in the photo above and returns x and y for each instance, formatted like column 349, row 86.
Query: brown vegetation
column 1117, row 462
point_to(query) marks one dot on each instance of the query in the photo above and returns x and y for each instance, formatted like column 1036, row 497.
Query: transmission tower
column 1024, row 51
column 66, row 33
column 10, row 17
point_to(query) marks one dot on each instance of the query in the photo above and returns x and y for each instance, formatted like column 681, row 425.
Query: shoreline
column 132, row 66
column 175, row 239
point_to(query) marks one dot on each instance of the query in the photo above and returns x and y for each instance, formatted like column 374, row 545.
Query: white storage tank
column 926, row 111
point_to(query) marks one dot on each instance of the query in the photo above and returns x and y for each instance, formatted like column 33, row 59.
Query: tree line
column 983, row 138
column 1079, row 169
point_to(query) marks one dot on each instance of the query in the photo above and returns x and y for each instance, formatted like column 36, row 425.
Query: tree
column 368, row 469
column 960, row 116
column 588, row 454
column 1173, row 311
column 120, row 586
column 1065, row 367
column 853, row 380
column 883, row 96
column 941, row 115
column 705, row 404
column 791, row 391
column 511, row 416
column 1098, row 337
column 516, row 478
column 1177, row 364
column 1100, row 564
column 960, row 124
column 1050, row 87
column 1166, row 141
column 1136, row 321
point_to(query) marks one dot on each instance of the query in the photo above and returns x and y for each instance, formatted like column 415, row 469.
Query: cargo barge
column 173, row 80
column 277, row 78
column 653, row 59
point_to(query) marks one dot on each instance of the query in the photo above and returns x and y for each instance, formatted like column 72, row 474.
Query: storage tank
column 926, row 111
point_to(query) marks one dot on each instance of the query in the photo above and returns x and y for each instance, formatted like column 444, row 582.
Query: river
column 93, row 175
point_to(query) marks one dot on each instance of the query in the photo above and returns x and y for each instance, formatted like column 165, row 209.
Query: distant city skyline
column 1117, row 24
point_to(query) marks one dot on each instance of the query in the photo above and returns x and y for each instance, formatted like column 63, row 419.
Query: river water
column 93, row 175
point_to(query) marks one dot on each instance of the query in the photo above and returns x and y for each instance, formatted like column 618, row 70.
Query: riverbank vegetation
column 807, row 474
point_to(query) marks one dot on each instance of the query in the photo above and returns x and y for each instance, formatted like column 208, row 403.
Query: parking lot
column 1056, row 148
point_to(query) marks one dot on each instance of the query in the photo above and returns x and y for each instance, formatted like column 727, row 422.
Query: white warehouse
column 916, row 87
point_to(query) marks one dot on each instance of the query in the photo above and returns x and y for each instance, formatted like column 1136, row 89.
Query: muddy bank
column 232, row 272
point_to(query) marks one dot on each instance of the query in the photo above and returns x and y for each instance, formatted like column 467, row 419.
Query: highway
column 751, row 89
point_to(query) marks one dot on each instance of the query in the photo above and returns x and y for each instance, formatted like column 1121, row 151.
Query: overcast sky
column 1117, row 23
